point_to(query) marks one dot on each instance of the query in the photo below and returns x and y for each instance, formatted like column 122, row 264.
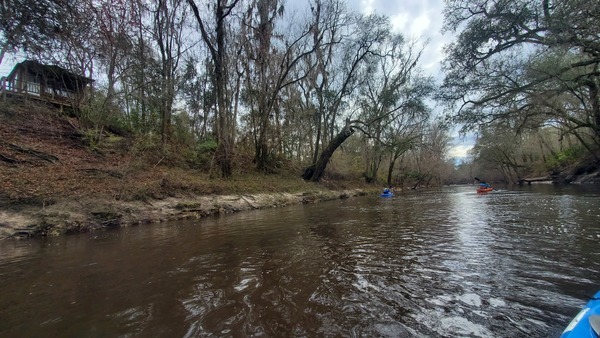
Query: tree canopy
column 526, row 63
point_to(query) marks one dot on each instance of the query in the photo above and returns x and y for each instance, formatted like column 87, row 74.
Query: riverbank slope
column 56, row 177
column 67, row 216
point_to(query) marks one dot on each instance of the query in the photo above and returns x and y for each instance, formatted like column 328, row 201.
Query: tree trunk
column 315, row 172
column 318, row 138
column 390, row 170
column 595, row 103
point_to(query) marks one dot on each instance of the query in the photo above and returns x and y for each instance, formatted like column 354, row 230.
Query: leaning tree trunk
column 315, row 172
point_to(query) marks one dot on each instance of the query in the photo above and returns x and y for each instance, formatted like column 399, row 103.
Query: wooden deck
column 34, row 91
column 32, row 80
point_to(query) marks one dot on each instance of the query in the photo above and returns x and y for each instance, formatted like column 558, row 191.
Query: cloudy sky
column 7, row 64
column 420, row 19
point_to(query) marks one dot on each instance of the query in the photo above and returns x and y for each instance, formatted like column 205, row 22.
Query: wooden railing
column 36, row 90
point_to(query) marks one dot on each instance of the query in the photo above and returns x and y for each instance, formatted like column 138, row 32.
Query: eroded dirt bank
column 59, row 178
column 75, row 216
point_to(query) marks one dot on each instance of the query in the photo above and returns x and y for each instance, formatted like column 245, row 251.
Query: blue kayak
column 387, row 194
column 587, row 322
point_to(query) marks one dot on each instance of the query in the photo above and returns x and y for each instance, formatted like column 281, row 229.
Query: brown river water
column 518, row 262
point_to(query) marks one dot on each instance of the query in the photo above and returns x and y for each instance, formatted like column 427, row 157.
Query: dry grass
column 113, row 168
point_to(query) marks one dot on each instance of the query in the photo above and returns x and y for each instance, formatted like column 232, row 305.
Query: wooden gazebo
column 33, row 80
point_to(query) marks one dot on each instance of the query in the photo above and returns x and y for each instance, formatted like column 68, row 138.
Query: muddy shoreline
column 84, row 215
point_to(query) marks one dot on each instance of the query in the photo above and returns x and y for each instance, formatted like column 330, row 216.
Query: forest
column 314, row 89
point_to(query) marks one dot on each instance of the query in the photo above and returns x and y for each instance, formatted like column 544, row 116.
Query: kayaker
column 484, row 185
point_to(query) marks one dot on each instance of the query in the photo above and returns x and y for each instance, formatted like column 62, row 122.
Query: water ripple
column 439, row 263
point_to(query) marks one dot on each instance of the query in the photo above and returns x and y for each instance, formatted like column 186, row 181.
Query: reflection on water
column 433, row 263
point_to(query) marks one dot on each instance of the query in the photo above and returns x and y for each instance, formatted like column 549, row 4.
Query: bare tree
column 273, row 59
column 331, row 28
column 391, row 96
column 169, row 19
column 368, row 33
column 216, row 45
column 367, row 49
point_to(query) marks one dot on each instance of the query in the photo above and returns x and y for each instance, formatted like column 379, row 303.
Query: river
column 438, row 263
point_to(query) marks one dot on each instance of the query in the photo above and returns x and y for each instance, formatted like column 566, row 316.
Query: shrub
column 565, row 157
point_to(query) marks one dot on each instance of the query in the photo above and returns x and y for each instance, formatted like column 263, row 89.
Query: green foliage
column 140, row 123
column 102, row 115
column 566, row 157
column 203, row 154
column 146, row 142
column 182, row 131
column 91, row 138
column 207, row 146
column 346, row 164
column 35, row 25
column 411, row 175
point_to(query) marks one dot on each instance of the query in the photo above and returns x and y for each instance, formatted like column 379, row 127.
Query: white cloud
column 460, row 151
column 7, row 65
column 367, row 6
column 399, row 22
column 415, row 19
column 461, row 144
column 420, row 25
column 9, row 61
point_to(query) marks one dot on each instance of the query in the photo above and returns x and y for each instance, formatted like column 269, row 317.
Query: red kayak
column 483, row 190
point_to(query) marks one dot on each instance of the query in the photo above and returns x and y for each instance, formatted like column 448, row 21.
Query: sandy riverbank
column 84, row 215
